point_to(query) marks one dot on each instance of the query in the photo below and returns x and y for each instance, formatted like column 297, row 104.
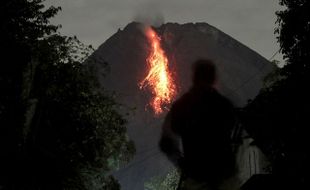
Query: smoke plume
column 149, row 14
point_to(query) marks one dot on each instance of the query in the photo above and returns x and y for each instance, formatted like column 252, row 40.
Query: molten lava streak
column 159, row 78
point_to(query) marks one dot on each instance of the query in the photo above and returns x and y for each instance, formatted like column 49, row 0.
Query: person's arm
column 170, row 142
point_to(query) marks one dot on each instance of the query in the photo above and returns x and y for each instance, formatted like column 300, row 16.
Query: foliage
column 58, row 128
column 277, row 117
column 169, row 181
column 293, row 35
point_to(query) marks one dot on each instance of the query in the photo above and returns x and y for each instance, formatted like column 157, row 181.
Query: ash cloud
column 149, row 14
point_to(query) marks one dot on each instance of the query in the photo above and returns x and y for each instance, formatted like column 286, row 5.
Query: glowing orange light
column 159, row 79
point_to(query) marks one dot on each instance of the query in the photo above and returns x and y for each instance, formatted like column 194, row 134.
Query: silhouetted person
column 196, row 132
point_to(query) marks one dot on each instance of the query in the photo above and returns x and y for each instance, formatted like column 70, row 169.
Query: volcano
column 240, row 77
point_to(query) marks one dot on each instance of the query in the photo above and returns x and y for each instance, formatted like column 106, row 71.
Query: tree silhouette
column 278, row 118
column 58, row 129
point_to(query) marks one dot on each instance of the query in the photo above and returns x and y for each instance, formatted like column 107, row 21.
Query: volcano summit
column 240, row 77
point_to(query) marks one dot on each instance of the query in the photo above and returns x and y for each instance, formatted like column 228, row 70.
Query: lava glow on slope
column 159, row 78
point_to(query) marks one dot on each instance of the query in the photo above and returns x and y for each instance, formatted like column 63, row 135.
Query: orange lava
column 159, row 78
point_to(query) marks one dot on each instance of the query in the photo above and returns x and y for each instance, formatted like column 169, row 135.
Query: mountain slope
column 240, row 72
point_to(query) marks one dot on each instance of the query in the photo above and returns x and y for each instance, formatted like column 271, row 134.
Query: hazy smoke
column 149, row 14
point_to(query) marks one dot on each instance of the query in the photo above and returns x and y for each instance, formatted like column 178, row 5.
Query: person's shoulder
column 224, row 100
column 181, row 101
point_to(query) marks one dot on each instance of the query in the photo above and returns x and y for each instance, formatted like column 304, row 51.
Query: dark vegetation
column 58, row 128
column 278, row 118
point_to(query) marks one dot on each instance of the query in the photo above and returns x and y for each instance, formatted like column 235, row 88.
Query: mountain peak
column 240, row 70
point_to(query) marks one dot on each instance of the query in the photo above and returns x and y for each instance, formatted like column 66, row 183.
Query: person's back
column 203, row 119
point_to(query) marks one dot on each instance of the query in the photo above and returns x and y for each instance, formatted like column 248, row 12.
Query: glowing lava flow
column 159, row 78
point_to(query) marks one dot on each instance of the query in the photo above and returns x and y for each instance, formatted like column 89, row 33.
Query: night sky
column 251, row 22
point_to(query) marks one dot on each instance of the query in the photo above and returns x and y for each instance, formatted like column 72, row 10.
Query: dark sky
column 251, row 22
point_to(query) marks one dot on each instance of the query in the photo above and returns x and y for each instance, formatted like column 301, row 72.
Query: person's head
column 204, row 73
